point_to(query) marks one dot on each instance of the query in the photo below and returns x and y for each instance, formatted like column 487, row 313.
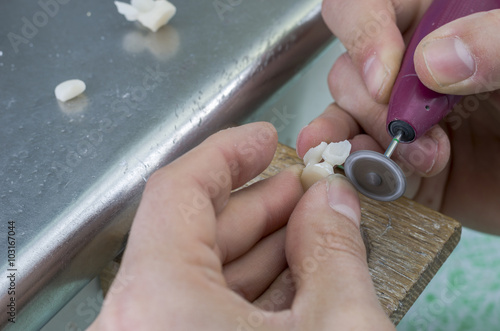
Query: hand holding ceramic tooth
column 332, row 154
column 224, row 266
column 454, row 166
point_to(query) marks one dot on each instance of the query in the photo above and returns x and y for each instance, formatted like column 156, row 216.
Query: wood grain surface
column 407, row 244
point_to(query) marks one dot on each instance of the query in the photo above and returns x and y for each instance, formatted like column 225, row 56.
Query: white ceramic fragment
column 143, row 5
column 337, row 153
column 314, row 154
column 157, row 17
column 151, row 14
column 69, row 89
column 130, row 12
column 315, row 172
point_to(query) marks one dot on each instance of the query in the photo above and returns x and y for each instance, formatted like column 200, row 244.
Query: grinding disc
column 375, row 175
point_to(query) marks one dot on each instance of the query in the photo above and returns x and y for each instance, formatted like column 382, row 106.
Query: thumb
column 327, row 258
column 461, row 57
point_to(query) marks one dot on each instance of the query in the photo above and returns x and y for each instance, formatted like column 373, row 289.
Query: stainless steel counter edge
column 61, row 258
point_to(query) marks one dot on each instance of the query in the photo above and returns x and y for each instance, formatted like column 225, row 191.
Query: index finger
column 371, row 32
column 427, row 155
column 181, row 201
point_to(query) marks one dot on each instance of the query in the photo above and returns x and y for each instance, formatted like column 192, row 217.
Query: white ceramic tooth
column 315, row 172
column 337, row 153
column 143, row 5
column 69, row 89
column 161, row 13
column 314, row 154
column 131, row 13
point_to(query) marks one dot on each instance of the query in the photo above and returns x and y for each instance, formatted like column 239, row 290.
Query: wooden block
column 407, row 243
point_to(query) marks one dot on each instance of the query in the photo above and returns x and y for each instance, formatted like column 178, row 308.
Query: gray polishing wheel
column 375, row 175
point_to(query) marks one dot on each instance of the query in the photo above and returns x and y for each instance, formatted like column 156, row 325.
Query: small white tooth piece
column 315, row 172
column 337, row 153
column 313, row 155
column 143, row 5
column 161, row 13
column 131, row 13
column 69, row 89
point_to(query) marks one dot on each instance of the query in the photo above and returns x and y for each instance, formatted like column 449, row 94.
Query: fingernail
column 342, row 197
column 375, row 74
column 301, row 132
column 420, row 154
column 449, row 61
column 299, row 138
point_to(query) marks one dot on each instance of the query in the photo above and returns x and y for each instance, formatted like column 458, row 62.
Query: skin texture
column 201, row 257
column 453, row 168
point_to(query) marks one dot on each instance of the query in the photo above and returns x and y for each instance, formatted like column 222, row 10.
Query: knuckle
column 325, row 10
column 155, row 179
column 158, row 181
column 494, row 15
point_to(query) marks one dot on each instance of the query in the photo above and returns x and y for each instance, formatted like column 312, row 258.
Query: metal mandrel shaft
column 394, row 143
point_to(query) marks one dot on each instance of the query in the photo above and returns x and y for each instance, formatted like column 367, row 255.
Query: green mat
column 465, row 293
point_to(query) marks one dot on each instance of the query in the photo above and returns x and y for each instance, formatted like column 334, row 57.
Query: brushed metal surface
column 71, row 174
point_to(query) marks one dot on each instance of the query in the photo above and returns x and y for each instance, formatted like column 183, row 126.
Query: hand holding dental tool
column 413, row 108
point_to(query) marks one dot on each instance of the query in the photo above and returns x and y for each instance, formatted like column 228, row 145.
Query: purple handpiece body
column 413, row 108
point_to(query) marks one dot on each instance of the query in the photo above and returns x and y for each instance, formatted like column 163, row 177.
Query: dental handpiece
column 413, row 108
